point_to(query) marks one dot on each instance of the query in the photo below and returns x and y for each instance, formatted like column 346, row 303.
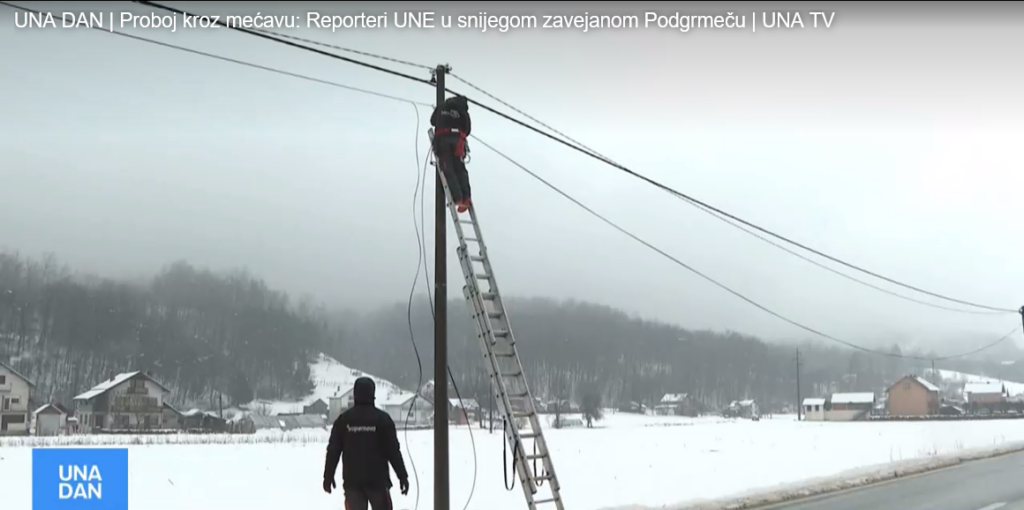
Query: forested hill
column 198, row 332
column 570, row 349
column 205, row 334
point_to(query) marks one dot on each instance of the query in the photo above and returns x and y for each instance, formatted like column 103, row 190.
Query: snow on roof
column 920, row 380
column 16, row 373
column 984, row 388
column 673, row 398
column 397, row 400
column 467, row 403
column 1012, row 387
column 814, row 402
column 105, row 386
column 853, row 398
column 48, row 407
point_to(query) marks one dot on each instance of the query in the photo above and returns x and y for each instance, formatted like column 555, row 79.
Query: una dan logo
column 88, row 482
column 80, row 479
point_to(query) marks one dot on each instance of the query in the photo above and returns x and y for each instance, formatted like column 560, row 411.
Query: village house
column 462, row 413
column 849, row 406
column 128, row 401
column 398, row 408
column 317, row 407
column 172, row 418
column 814, row 409
column 742, row 409
column 15, row 392
column 338, row 405
column 913, row 396
column 985, row 393
column 51, row 420
column 673, row 404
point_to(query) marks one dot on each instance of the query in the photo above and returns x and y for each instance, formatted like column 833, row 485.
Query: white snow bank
column 631, row 462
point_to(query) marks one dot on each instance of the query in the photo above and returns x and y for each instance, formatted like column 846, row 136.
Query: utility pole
column 441, row 498
column 799, row 404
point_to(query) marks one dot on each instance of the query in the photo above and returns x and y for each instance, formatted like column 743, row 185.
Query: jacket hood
column 458, row 101
column 363, row 391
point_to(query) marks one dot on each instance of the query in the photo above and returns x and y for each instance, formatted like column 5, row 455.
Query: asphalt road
column 990, row 484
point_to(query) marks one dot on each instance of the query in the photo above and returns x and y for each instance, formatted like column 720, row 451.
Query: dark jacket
column 364, row 439
column 453, row 114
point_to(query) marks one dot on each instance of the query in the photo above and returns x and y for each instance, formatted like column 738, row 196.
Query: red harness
column 460, row 146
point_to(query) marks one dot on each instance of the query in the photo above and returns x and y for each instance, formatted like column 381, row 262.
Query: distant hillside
column 209, row 335
column 200, row 333
column 330, row 379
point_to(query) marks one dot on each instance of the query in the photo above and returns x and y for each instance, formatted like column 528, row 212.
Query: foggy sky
column 890, row 140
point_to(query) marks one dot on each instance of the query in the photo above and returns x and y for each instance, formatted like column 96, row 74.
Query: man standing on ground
column 365, row 440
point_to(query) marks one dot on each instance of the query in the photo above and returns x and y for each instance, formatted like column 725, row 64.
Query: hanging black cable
column 598, row 157
column 547, row 184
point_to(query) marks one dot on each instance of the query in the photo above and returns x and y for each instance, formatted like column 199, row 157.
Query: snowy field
column 628, row 460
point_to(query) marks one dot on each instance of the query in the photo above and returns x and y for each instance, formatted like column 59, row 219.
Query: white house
column 399, row 406
column 338, row 405
column 814, row 409
column 129, row 401
column 850, row 406
column 50, row 420
column 671, row 404
column 15, row 391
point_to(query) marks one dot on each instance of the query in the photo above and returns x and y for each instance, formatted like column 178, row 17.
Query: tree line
column 207, row 335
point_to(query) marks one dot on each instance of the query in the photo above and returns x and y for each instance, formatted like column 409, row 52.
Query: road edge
column 849, row 480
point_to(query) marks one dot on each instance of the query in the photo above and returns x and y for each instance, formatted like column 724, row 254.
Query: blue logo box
column 80, row 479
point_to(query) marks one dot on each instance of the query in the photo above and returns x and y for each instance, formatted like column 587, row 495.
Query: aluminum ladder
column 508, row 380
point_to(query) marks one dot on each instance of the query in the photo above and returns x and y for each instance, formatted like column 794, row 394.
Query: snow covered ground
column 629, row 460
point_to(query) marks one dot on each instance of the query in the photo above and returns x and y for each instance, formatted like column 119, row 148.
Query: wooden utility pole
column 799, row 404
column 441, row 499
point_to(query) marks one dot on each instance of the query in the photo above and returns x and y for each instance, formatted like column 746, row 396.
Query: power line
column 589, row 152
column 343, row 48
column 289, row 43
column 591, row 211
column 733, row 224
column 725, row 287
column 241, row 62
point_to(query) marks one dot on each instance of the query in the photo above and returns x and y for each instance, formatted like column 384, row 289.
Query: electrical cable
column 433, row 314
column 723, row 286
column 237, row 61
column 342, row 48
column 603, row 159
column 549, row 185
column 412, row 335
column 287, row 42
column 726, row 220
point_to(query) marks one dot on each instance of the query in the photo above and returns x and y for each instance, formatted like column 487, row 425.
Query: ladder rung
column 505, row 355
column 522, row 414
column 542, row 501
column 512, row 374
column 543, row 478
column 495, row 315
column 477, row 258
column 537, row 456
column 472, row 239
column 490, row 296
column 466, row 222
column 528, row 435
column 500, row 333
column 518, row 395
column 483, row 276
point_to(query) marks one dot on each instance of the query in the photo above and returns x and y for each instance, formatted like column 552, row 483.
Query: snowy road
column 990, row 484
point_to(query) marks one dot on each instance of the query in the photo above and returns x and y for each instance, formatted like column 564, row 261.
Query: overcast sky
column 890, row 139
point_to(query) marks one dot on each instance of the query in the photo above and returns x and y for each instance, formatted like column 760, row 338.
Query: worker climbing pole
column 523, row 431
